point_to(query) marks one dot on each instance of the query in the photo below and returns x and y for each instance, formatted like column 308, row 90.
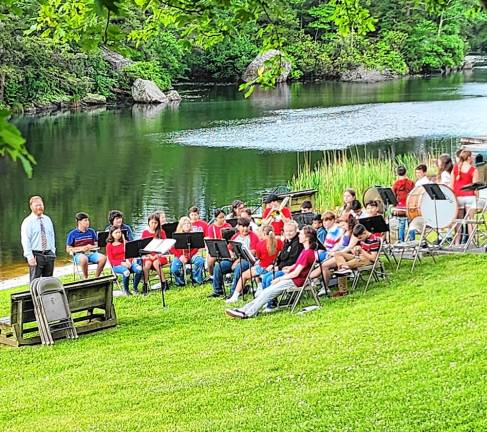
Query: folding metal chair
column 376, row 270
column 292, row 296
column 415, row 247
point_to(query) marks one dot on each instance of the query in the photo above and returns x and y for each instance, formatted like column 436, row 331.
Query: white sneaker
column 267, row 310
column 231, row 300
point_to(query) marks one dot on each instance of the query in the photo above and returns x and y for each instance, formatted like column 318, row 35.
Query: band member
column 371, row 209
column 266, row 251
column 247, row 214
column 463, row 174
column 274, row 215
column 116, row 256
column 334, row 234
column 185, row 256
column 249, row 239
column 82, row 243
column 197, row 224
column 401, row 188
column 294, row 277
column 237, row 207
column 162, row 217
column 215, row 232
column 38, row 242
column 115, row 218
column 445, row 167
column 348, row 197
column 356, row 209
column 153, row 260
column 307, row 207
column 421, row 177
column 317, row 225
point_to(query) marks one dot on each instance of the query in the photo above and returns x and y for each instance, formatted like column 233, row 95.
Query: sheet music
column 249, row 255
column 160, row 246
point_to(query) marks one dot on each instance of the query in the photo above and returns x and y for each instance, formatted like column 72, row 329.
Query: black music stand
column 188, row 241
column 375, row 224
column 241, row 253
column 228, row 233
column 218, row 249
column 303, row 218
column 387, row 196
column 103, row 235
column 436, row 194
column 232, row 222
column 169, row 228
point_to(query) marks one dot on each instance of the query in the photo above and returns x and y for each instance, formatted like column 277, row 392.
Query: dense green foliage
column 406, row 356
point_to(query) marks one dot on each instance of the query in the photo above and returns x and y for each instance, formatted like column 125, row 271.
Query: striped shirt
column 371, row 244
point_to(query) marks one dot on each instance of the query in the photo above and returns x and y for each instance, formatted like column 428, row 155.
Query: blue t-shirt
column 321, row 234
column 78, row 238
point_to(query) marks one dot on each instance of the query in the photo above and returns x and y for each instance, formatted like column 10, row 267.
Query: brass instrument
column 275, row 213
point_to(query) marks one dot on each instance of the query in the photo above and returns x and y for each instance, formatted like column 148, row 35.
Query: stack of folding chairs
column 51, row 309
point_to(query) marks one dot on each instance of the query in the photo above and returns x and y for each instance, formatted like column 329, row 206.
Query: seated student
column 115, row 218
column 333, row 237
column 371, row 209
column 185, row 256
column 247, row 214
column 356, row 209
column 401, row 188
column 348, row 196
column 249, row 239
column 197, row 224
column 237, row 207
column 153, row 260
column 294, row 277
column 317, row 225
column 116, row 256
column 162, row 217
column 215, row 232
column 361, row 251
column 82, row 244
column 421, row 176
column 266, row 251
column 272, row 215
column 306, row 207
column 288, row 255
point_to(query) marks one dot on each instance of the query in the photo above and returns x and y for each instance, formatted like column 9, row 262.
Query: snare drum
column 419, row 203
column 372, row 194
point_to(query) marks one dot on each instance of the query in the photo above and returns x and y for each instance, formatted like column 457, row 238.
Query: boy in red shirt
column 401, row 188
column 197, row 224
column 273, row 215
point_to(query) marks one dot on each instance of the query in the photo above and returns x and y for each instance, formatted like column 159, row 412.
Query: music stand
column 241, row 252
column 232, row 222
column 228, row 233
column 436, row 194
column 375, row 224
column 169, row 228
column 218, row 249
column 387, row 195
column 188, row 241
column 103, row 235
column 303, row 218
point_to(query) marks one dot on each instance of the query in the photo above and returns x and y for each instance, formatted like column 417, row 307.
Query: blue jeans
column 177, row 269
column 269, row 277
column 220, row 271
column 402, row 230
column 135, row 268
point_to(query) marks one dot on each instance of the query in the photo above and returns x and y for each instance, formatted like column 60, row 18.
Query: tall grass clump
column 338, row 171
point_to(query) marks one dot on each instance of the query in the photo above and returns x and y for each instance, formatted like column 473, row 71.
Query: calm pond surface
column 216, row 146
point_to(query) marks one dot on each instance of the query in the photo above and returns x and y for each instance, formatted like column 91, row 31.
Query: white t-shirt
column 422, row 181
column 445, row 178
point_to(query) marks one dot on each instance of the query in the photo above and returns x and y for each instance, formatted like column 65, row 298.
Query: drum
column 419, row 203
column 372, row 194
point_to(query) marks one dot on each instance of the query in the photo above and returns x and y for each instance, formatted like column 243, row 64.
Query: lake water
column 217, row 146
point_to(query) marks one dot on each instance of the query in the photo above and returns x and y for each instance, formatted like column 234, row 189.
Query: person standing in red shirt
column 401, row 188
column 277, row 218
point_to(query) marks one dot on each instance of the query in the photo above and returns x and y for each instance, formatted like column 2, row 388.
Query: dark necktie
column 43, row 235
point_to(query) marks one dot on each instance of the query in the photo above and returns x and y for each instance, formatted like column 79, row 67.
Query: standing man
column 38, row 241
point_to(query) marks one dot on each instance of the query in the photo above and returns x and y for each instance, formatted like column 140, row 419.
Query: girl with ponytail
column 267, row 250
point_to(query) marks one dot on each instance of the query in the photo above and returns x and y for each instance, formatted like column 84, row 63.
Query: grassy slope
column 406, row 356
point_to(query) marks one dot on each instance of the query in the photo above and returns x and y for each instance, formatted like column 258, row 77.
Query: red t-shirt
column 147, row 234
column 249, row 241
column 180, row 252
column 401, row 189
column 306, row 259
column 153, row 256
column 215, row 232
column 200, row 226
column 464, row 180
column 263, row 255
column 277, row 225
column 115, row 254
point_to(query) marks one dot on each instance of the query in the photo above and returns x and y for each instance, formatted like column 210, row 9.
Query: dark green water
column 216, row 146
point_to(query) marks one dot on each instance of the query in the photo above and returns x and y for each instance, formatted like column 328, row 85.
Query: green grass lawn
column 408, row 356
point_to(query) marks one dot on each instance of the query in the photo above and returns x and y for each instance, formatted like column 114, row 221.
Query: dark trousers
column 44, row 267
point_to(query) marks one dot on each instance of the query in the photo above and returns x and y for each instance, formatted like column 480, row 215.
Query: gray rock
column 94, row 99
column 146, row 91
column 362, row 74
column 173, row 95
column 251, row 71
column 117, row 60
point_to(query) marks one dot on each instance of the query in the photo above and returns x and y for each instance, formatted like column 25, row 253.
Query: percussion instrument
column 419, row 203
column 372, row 194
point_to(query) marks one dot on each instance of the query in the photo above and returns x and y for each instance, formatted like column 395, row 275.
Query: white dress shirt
column 30, row 234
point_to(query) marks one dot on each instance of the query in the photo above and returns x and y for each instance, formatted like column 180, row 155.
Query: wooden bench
column 90, row 301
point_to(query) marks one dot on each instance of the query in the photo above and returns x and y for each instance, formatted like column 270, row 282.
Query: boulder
column 117, row 60
column 146, row 91
column 251, row 71
column 173, row 96
column 94, row 99
column 362, row 74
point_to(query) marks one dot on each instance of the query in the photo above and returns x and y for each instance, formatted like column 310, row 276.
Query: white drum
column 419, row 203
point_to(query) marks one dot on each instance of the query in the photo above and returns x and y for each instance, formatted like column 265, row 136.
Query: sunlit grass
column 406, row 356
